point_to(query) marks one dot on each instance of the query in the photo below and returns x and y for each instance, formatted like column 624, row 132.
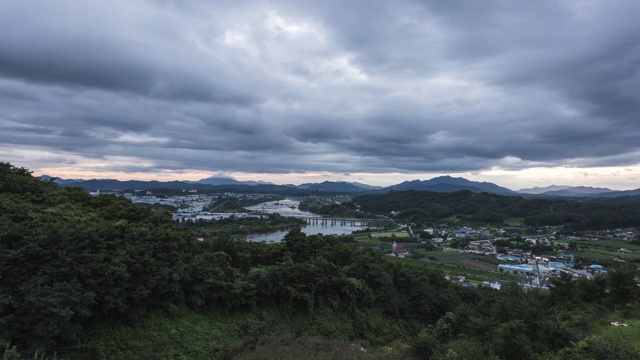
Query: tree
column 622, row 284
column 563, row 290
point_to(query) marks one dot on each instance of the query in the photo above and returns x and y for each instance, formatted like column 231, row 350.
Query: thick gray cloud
column 307, row 86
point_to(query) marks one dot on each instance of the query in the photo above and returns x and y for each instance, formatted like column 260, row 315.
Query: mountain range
column 451, row 184
column 437, row 184
column 565, row 190
column 228, row 181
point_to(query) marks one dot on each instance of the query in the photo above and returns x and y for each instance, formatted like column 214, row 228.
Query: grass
column 215, row 334
column 618, row 340
column 592, row 254
column 513, row 222
column 609, row 244
column 474, row 275
column 453, row 219
column 451, row 257
column 491, row 260
column 375, row 236
column 398, row 234
column 291, row 347
column 183, row 335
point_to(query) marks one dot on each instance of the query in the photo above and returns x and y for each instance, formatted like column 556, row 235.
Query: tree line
column 241, row 226
column 491, row 209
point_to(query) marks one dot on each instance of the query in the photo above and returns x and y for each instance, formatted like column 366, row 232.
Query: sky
column 520, row 93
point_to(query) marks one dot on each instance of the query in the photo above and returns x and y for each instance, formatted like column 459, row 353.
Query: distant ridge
column 542, row 190
column 218, row 181
column 451, row 184
column 566, row 191
column 229, row 181
column 611, row 194
column 217, row 185
column 61, row 182
column 337, row 186
column 441, row 184
column 579, row 191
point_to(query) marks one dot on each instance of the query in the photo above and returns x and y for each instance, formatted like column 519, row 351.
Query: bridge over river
column 347, row 221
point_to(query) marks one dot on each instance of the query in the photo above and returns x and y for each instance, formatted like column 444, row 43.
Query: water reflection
column 285, row 207
column 312, row 229
column 289, row 207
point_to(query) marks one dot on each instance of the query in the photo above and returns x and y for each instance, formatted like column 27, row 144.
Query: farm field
column 480, row 265
column 606, row 250
column 473, row 266
column 401, row 236
column 513, row 222
column 456, row 258
column 609, row 244
column 398, row 234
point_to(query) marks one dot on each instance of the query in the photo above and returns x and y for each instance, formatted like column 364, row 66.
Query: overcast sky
column 520, row 93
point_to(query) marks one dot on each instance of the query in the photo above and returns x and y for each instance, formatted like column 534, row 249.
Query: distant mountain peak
column 61, row 182
column 218, row 180
column 448, row 183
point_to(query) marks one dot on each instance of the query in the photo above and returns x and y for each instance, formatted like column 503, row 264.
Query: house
column 557, row 264
column 596, row 269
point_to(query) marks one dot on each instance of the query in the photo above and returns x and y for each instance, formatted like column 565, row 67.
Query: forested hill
column 71, row 263
column 68, row 259
column 484, row 208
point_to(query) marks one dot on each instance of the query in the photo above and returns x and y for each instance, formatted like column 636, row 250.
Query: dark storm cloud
column 93, row 64
column 67, row 50
column 291, row 86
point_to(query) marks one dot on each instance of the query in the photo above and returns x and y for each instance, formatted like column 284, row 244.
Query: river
column 289, row 207
column 286, row 207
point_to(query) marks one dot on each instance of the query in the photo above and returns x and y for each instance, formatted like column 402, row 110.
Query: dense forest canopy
column 72, row 263
column 491, row 209
column 70, row 260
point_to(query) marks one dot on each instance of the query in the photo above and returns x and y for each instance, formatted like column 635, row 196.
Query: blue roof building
column 520, row 269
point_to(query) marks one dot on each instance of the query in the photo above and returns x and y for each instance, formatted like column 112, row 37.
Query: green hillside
column 470, row 208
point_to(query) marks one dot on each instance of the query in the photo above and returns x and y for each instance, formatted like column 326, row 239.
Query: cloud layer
column 305, row 86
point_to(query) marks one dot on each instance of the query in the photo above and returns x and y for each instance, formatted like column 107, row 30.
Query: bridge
column 347, row 221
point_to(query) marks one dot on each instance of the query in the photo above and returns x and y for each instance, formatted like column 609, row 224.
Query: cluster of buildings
column 398, row 250
column 188, row 203
column 538, row 275
column 532, row 269
column 191, row 207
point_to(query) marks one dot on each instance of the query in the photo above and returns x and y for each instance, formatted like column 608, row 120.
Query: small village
column 531, row 257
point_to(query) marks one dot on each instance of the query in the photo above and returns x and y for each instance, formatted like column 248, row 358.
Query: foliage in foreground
column 291, row 347
column 71, row 261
